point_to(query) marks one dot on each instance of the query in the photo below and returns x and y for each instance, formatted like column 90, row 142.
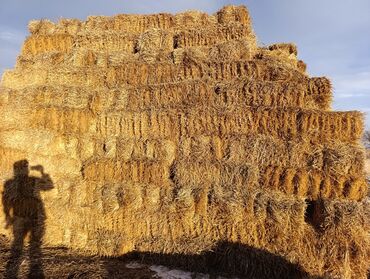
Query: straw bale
column 85, row 58
column 41, row 27
column 265, row 151
column 285, row 124
column 272, row 212
column 69, row 26
column 14, row 118
column 66, row 121
column 245, row 177
column 65, row 43
column 126, row 149
column 123, row 23
column 176, row 135
column 133, row 24
column 284, row 52
column 313, row 184
column 259, row 150
column 121, row 50
column 138, row 73
column 219, row 71
column 185, row 38
column 50, row 59
column 155, row 40
column 194, row 18
column 136, row 24
column 46, row 27
column 47, row 142
column 79, row 58
column 264, row 210
column 154, row 43
column 343, row 158
column 232, row 50
column 139, row 24
column 267, row 215
column 14, row 79
column 62, row 97
column 110, row 171
column 7, row 158
column 176, row 95
column 321, row 89
column 232, row 14
column 109, row 41
column 106, row 42
column 344, row 227
column 70, row 165
column 286, row 48
column 43, row 43
column 146, row 150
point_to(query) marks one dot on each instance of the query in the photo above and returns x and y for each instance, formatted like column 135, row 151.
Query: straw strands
column 177, row 135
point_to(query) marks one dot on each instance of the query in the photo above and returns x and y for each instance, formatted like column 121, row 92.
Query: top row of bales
column 129, row 23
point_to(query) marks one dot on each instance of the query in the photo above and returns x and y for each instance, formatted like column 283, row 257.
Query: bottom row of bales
column 323, row 237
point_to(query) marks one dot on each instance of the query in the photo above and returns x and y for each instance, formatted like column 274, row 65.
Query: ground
column 62, row 263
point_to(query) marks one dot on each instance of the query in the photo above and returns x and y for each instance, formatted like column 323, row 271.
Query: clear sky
column 333, row 37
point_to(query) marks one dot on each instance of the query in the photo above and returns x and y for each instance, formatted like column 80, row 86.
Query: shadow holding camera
column 25, row 214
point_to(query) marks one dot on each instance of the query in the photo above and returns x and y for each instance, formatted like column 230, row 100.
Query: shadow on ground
column 227, row 260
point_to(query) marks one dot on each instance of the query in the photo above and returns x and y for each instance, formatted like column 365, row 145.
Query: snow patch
column 135, row 265
column 166, row 273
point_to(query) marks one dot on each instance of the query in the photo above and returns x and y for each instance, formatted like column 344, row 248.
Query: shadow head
column 21, row 168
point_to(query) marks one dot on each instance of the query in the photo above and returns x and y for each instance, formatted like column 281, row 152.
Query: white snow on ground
column 166, row 273
column 163, row 272
column 135, row 265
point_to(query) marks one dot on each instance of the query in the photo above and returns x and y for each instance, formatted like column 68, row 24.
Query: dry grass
column 179, row 95
column 170, row 135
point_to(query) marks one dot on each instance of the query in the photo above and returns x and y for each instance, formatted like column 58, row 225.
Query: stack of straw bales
column 170, row 134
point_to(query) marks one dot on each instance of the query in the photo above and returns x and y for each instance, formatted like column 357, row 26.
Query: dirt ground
column 247, row 262
column 62, row 263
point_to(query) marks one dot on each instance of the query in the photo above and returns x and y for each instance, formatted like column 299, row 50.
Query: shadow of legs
column 35, row 252
column 14, row 262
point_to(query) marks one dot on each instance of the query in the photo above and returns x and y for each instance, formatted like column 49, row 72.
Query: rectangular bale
column 210, row 36
column 236, row 92
column 64, row 121
column 306, row 182
column 265, row 150
column 138, row 73
column 111, row 170
column 284, row 124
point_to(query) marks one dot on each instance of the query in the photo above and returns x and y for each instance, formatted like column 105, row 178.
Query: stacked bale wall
column 170, row 134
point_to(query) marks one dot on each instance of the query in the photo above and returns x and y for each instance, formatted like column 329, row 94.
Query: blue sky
column 332, row 36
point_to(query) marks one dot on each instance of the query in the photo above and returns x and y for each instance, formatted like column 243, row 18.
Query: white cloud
column 352, row 85
column 7, row 36
column 352, row 92
column 349, row 95
column 11, row 36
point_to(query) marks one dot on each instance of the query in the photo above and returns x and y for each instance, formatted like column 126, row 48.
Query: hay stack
column 170, row 134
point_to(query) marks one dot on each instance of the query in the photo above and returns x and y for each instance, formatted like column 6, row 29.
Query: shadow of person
column 25, row 213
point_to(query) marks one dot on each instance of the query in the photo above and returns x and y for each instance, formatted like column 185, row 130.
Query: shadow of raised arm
column 44, row 183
